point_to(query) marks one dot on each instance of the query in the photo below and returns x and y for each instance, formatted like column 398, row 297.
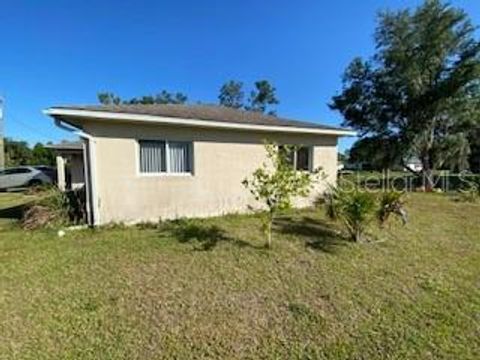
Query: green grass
column 207, row 289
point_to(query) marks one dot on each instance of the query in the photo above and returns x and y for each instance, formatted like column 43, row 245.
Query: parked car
column 50, row 171
column 22, row 176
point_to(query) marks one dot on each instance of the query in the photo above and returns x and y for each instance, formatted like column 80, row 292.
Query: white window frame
column 167, row 173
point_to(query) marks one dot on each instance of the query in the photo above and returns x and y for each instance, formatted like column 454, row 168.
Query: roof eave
column 104, row 115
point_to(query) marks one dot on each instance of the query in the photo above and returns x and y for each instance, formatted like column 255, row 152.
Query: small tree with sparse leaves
column 276, row 183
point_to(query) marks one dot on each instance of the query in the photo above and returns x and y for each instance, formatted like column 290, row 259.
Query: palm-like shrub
column 471, row 192
column 353, row 207
column 356, row 208
column 391, row 203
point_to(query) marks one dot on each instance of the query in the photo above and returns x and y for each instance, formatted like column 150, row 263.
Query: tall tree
column 108, row 98
column 374, row 151
column 42, row 155
column 262, row 98
column 231, row 94
column 421, row 89
column 474, row 159
column 164, row 97
column 17, row 153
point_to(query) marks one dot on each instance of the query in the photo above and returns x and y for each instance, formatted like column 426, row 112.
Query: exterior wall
column 221, row 158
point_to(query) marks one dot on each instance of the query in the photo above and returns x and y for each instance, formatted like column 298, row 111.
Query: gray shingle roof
column 66, row 145
column 202, row 112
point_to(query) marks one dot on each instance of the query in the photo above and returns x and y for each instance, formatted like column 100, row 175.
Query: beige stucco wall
column 222, row 159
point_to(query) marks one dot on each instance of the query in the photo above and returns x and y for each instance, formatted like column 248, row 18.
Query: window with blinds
column 179, row 157
column 165, row 157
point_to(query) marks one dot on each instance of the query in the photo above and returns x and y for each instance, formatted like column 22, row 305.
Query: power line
column 32, row 129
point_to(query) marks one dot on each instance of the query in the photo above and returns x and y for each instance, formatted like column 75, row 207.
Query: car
column 50, row 171
column 22, row 176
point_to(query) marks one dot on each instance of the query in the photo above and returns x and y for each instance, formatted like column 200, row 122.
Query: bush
column 470, row 192
column 391, row 203
column 356, row 208
column 353, row 207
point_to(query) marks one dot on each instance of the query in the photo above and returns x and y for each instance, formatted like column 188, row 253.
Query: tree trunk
column 269, row 231
column 427, row 174
column 357, row 233
column 358, row 236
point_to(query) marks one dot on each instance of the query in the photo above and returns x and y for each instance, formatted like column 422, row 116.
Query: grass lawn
column 207, row 289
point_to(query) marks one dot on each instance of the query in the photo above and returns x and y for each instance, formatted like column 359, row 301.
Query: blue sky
column 64, row 52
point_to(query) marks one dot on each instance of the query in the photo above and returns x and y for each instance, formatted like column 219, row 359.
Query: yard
column 207, row 289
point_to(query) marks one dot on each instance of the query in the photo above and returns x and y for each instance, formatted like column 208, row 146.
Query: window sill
column 167, row 175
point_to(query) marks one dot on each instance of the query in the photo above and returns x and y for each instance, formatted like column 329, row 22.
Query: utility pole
column 2, row 143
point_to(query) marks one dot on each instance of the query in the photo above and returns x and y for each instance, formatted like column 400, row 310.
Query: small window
column 179, row 157
column 300, row 159
column 152, row 156
column 303, row 159
column 165, row 156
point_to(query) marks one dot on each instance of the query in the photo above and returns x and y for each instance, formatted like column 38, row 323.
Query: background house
column 70, row 165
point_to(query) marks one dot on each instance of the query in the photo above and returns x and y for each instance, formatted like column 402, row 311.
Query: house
column 413, row 164
column 151, row 162
column 70, row 169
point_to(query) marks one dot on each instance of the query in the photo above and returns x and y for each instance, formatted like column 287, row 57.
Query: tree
column 19, row 153
column 16, row 153
column 231, row 94
column 262, row 98
column 164, row 97
column 374, row 151
column 474, row 159
column 42, row 155
column 421, row 90
column 343, row 157
column 108, row 98
column 277, row 182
